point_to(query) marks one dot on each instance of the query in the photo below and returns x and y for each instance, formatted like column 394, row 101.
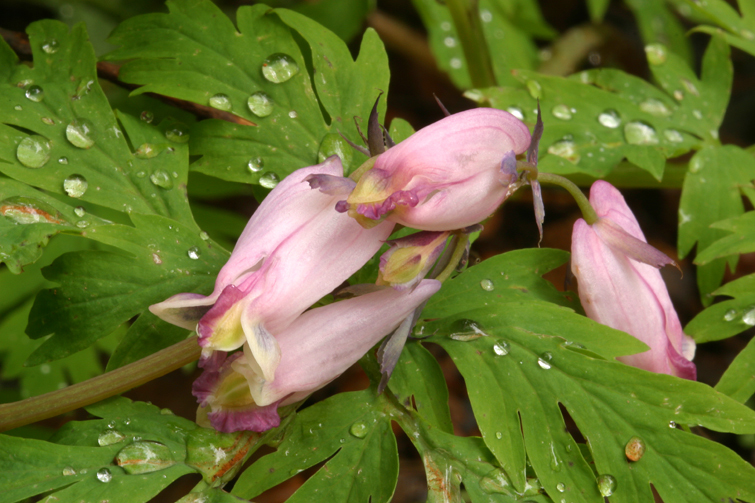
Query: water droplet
column 82, row 224
column 193, row 253
column 535, row 89
column 75, row 185
column 730, row 315
column 147, row 151
column 673, row 136
column 487, row 285
column 221, row 102
column 656, row 54
column 33, row 151
column 565, row 149
column 695, row 165
column 35, row 93
column 672, row 424
column 144, row 457
column 609, row 119
column 678, row 95
column 162, row 179
column 147, row 116
column 501, row 347
column 516, row 112
column 279, row 68
column 545, row 360
column 639, row 133
column 292, row 114
column 204, row 236
column 18, row 107
column 690, row 87
column 561, row 112
column 498, row 435
column 606, row 484
column 555, row 461
column 177, row 133
column 80, row 133
column 561, row 487
column 269, row 180
column 449, row 42
column 255, row 165
column 111, row 424
column 455, row 63
column 50, row 46
column 655, row 107
column 166, row 412
column 486, row 16
column 68, row 471
column 359, row 430
column 79, row 211
column 110, row 437
column 466, row 330
column 48, row 121
column 104, row 475
column 260, row 104
column 749, row 317
column 634, row 449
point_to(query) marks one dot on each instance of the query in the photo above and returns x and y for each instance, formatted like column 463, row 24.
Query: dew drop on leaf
column 359, row 430
column 50, row 46
column 35, row 93
column 193, row 253
column 498, row 435
column 673, row 136
column 655, row 107
column 147, row 116
column 269, row 180
column 545, row 360
column 104, row 475
column 147, row 151
column 279, row 68
column 561, row 487
column 68, row 471
column 292, row 114
column 24, row 211
column 33, row 151
column 566, row 149
column 221, row 102
column 79, row 211
column 162, row 179
column 75, row 185
column 672, row 424
column 609, row 119
column 466, row 330
column 749, row 317
column 48, row 121
column 639, row 133
column 487, row 285
column 501, row 347
column 656, row 54
column 561, row 112
column 82, row 224
column 18, row 108
column 730, row 315
column 634, row 449
column 606, row 484
column 204, row 236
column 255, row 165
column 535, row 89
column 80, row 133
column 144, row 457
column 110, row 437
column 260, row 104
column 177, row 133
column 516, row 112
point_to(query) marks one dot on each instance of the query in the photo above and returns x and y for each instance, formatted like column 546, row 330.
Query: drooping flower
column 315, row 349
column 409, row 258
column 449, row 175
column 620, row 285
column 294, row 250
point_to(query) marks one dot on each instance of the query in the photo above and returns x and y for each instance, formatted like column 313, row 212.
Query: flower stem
column 588, row 212
column 466, row 18
column 453, row 262
column 13, row 415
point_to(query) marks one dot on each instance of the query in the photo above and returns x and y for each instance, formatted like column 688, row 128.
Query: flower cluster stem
column 458, row 253
column 588, row 212
column 13, row 415
column 466, row 18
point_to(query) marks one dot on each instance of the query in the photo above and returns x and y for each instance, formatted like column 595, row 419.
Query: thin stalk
column 31, row 410
column 461, row 246
column 466, row 18
column 588, row 213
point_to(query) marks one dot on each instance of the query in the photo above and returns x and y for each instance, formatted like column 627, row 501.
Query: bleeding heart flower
column 620, row 285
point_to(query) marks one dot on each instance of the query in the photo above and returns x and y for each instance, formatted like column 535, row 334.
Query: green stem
column 458, row 253
column 588, row 213
column 466, row 18
column 13, row 415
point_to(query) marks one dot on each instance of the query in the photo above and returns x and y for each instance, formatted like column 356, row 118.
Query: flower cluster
column 317, row 228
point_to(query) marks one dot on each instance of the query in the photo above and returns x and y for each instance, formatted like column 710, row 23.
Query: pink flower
column 294, row 250
column 449, row 175
column 410, row 258
column 315, row 349
column 620, row 285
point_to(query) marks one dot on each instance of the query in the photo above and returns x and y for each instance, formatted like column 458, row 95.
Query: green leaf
column 595, row 118
column 729, row 317
column 740, row 31
column 712, row 192
column 348, row 430
column 658, row 24
column 518, row 20
column 147, row 335
column 342, row 17
column 418, row 376
column 81, row 461
column 195, row 53
column 738, row 381
column 742, row 241
column 597, row 9
column 101, row 290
